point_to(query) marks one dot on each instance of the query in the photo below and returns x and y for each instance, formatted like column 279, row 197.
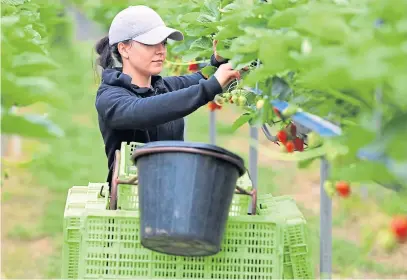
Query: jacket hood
column 115, row 77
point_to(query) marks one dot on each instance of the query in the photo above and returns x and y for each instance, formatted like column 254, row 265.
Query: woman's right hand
column 225, row 74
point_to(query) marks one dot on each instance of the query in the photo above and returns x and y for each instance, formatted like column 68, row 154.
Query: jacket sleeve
column 121, row 110
column 179, row 82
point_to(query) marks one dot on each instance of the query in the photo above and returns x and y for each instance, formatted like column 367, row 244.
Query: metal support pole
column 253, row 159
column 253, row 156
column 325, row 225
column 212, row 127
column 253, row 153
column 185, row 128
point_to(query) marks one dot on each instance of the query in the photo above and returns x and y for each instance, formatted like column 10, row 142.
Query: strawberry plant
column 341, row 60
column 27, row 32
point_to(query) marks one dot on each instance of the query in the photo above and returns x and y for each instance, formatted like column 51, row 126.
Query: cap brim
column 158, row 35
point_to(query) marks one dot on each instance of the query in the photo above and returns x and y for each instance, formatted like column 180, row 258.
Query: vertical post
column 253, row 171
column 185, row 128
column 253, row 156
column 212, row 127
column 325, row 225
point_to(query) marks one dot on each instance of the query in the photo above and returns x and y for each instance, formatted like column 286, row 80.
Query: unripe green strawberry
column 242, row 100
column 260, row 104
column 314, row 140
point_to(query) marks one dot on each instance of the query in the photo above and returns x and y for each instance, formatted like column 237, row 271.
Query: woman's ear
column 122, row 48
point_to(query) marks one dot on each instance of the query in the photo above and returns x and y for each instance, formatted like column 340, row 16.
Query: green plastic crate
column 79, row 199
column 297, row 258
column 127, row 168
column 111, row 249
column 106, row 245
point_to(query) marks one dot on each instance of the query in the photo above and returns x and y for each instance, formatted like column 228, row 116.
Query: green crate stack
column 101, row 243
column 107, row 246
column 80, row 199
column 112, row 250
column 297, row 257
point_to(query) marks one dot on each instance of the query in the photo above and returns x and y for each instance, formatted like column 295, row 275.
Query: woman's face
column 146, row 59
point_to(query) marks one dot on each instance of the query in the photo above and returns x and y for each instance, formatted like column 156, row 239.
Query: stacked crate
column 105, row 244
column 297, row 255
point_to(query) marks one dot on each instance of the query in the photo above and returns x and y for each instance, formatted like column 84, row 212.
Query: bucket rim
column 189, row 147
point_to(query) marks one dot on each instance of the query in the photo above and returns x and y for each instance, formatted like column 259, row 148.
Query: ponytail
column 105, row 59
column 107, row 53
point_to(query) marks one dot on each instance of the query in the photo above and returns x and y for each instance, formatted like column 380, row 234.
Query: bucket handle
column 116, row 181
column 252, row 193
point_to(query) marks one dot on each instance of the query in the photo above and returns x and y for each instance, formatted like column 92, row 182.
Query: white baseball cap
column 142, row 24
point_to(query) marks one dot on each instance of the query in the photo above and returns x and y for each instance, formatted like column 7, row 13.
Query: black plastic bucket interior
column 185, row 191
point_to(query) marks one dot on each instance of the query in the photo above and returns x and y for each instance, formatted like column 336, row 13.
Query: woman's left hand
column 221, row 59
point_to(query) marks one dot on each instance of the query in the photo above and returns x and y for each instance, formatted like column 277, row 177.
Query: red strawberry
column 212, row 106
column 399, row 227
column 193, row 67
column 282, row 136
column 343, row 188
column 293, row 129
column 299, row 144
column 289, row 146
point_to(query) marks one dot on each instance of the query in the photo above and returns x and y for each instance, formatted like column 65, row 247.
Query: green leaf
column 325, row 26
column 210, row 10
column 363, row 171
column 287, row 18
column 208, row 71
column 242, row 60
column 191, row 55
column 230, row 8
column 274, row 56
column 199, row 31
column 256, row 75
column 226, row 33
column 394, row 135
column 35, row 126
column 31, row 62
column 13, row 2
column 245, row 44
column 305, row 163
column 190, row 17
column 241, row 121
column 28, row 90
column 8, row 21
column 203, row 43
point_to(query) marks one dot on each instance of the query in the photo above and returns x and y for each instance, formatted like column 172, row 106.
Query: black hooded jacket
column 128, row 113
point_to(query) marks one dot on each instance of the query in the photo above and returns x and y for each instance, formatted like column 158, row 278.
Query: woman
column 133, row 102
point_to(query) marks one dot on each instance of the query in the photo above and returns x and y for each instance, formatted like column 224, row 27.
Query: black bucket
column 185, row 191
